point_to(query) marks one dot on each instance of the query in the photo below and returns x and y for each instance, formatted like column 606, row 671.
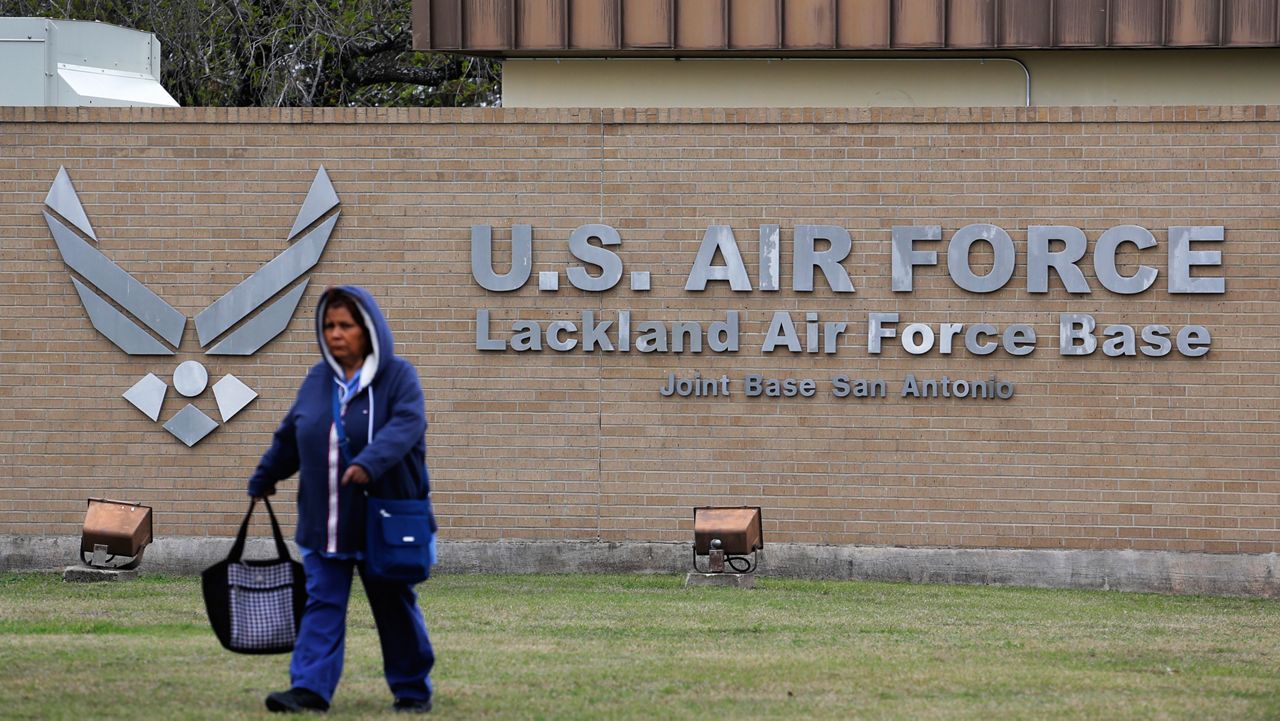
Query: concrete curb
column 1146, row 571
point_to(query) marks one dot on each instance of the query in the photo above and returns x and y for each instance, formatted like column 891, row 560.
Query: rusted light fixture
column 727, row 537
column 114, row 529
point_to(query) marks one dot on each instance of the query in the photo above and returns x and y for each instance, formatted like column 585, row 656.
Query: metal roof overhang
column 832, row 28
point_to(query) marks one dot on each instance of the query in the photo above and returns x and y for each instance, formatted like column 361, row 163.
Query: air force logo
column 139, row 322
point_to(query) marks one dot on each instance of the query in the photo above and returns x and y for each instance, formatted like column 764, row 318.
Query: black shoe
column 295, row 700
column 412, row 705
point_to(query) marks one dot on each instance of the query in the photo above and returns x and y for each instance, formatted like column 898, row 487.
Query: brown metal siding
column 1192, row 23
column 593, row 25
column 420, row 24
column 1250, row 22
column 754, row 25
column 1080, row 23
column 971, row 24
column 808, row 24
column 541, row 25
column 1137, row 23
column 785, row 27
column 1026, row 23
column 647, row 24
column 917, row 23
column 490, row 26
column 700, row 25
column 446, row 24
column 863, row 25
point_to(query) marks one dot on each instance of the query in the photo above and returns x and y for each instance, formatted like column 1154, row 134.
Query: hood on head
column 380, row 341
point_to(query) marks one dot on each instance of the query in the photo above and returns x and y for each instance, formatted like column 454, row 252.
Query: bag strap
column 237, row 549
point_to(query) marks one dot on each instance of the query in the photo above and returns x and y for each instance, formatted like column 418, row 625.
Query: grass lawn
column 622, row 647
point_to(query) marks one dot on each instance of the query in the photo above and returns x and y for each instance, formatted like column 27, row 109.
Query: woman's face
column 344, row 337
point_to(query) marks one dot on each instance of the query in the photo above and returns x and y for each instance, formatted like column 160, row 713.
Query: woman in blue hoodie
column 380, row 450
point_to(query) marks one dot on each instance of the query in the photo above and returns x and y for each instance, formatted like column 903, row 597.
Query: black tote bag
column 255, row 606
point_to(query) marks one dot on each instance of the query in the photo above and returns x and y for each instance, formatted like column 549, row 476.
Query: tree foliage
column 307, row 53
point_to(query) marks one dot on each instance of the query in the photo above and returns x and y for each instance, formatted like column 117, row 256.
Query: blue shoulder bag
column 399, row 542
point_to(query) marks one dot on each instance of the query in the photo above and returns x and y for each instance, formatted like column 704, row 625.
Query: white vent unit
column 75, row 63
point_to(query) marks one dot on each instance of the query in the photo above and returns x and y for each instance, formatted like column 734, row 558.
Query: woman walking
column 377, row 446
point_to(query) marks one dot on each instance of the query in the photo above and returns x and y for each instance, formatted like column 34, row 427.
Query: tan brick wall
column 1102, row 453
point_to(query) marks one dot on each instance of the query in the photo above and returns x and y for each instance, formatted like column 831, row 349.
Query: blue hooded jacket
column 385, row 424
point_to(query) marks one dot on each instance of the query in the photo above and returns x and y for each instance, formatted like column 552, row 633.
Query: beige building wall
column 1168, row 453
column 1051, row 78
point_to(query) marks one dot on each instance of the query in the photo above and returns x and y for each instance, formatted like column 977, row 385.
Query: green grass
column 621, row 647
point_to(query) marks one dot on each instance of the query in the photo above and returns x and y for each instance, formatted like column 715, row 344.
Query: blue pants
column 407, row 657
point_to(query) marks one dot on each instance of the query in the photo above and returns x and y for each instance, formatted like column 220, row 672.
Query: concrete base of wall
column 1150, row 571
column 724, row 580
column 84, row 574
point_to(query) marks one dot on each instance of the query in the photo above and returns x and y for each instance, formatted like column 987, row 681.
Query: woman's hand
column 355, row 474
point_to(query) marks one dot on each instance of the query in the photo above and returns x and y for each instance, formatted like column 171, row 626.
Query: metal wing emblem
column 111, row 280
column 270, row 279
column 140, row 320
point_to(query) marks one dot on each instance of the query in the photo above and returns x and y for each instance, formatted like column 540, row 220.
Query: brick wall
column 1169, row 453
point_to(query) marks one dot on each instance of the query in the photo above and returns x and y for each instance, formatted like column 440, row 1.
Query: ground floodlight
column 114, row 529
column 729, row 536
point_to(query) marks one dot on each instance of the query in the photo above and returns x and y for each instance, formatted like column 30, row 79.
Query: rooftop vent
column 76, row 63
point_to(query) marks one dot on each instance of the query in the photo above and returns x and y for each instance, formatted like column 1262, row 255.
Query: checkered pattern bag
column 256, row 606
column 261, row 605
